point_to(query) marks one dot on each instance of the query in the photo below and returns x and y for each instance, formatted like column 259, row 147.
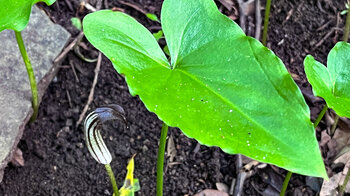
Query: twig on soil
column 240, row 176
column 69, row 4
column 136, row 7
column 289, row 14
column 106, row 4
column 74, row 72
column 232, row 187
column 98, row 4
column 319, row 43
column 91, row 95
column 241, row 15
column 64, row 66
column 68, row 48
column 257, row 20
column 320, row 7
column 321, row 28
column 69, row 99
column 88, row 6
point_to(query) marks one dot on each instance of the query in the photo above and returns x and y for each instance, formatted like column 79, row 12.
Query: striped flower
column 92, row 127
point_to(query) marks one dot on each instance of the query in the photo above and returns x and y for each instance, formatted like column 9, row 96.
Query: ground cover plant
column 14, row 15
column 332, row 82
column 221, row 87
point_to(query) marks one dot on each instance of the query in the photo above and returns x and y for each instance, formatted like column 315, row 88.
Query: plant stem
column 346, row 180
column 320, row 116
column 266, row 21
column 160, row 160
column 285, row 183
column 334, row 126
column 35, row 102
column 112, row 178
column 347, row 26
column 289, row 174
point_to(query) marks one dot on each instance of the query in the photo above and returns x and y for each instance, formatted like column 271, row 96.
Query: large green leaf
column 332, row 82
column 14, row 14
column 222, row 88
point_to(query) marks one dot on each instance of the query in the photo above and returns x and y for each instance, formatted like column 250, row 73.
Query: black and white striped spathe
column 92, row 127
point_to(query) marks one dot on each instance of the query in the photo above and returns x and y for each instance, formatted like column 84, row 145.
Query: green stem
column 289, row 174
column 347, row 26
column 346, row 180
column 112, row 178
column 266, row 21
column 160, row 160
column 334, row 126
column 320, row 116
column 285, row 183
column 35, row 102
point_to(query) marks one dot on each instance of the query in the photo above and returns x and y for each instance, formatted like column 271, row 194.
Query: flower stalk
column 93, row 138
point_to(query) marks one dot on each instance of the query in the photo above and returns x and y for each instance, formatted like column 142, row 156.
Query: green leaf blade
column 15, row 14
column 332, row 82
column 223, row 88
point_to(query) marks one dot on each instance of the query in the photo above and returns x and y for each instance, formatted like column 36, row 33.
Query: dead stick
column 74, row 72
column 69, row 99
column 257, row 20
column 325, row 37
column 91, row 95
column 68, row 48
column 136, row 7
column 241, row 15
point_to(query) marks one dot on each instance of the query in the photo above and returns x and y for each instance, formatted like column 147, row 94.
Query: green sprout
column 99, row 151
column 76, row 22
column 14, row 15
column 152, row 17
column 346, row 10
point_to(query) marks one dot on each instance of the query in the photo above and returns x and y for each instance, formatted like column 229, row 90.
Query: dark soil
column 57, row 161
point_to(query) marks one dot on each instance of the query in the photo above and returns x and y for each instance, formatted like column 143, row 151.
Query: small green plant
column 14, row 15
column 76, row 23
column 332, row 82
column 346, row 10
column 99, row 151
column 221, row 87
column 312, row 68
column 152, row 17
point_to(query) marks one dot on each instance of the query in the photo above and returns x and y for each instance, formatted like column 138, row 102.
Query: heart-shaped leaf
column 14, row 14
column 222, row 88
column 332, row 82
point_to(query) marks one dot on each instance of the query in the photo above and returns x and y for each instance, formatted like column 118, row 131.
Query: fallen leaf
column 222, row 187
column 17, row 158
column 211, row 192
column 171, row 150
column 342, row 138
column 330, row 188
column 325, row 138
column 227, row 3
